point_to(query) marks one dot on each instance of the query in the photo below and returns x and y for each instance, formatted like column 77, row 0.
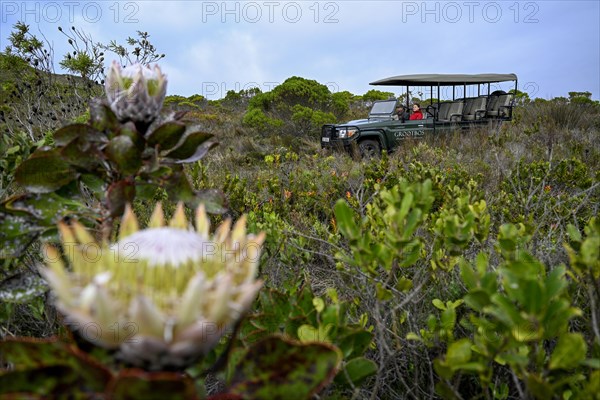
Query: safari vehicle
column 382, row 130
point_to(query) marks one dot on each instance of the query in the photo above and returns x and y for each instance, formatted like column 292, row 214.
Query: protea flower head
column 136, row 92
column 162, row 296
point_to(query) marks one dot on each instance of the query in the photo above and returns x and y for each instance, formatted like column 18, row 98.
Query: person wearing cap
column 401, row 113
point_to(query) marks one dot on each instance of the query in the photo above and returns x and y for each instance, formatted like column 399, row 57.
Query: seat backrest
column 443, row 111
column 494, row 100
column 479, row 103
column 468, row 106
column 492, row 103
column 455, row 108
column 433, row 108
column 504, row 100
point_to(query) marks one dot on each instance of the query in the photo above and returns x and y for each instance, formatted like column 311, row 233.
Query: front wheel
column 369, row 148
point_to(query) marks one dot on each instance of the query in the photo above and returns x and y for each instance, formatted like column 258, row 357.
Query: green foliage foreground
column 464, row 266
column 426, row 279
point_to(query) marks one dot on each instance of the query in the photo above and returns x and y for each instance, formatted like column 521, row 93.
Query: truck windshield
column 383, row 107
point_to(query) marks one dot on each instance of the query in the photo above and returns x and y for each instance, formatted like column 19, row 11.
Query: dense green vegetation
column 461, row 266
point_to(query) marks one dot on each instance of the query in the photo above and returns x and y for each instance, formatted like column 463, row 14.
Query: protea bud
column 135, row 93
column 162, row 296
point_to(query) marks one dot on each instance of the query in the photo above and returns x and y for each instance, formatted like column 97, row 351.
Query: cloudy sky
column 215, row 46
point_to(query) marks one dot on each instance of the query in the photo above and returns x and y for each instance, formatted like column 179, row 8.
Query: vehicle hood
column 362, row 121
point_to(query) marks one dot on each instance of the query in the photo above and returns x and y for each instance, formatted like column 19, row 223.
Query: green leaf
column 18, row 233
column 67, row 134
column 356, row 371
column 129, row 130
column 119, row 194
column 102, row 118
column 48, row 367
column 407, row 202
column 355, row 343
column 138, row 384
column 593, row 363
column 458, row 353
column 505, row 311
column 448, row 319
column 277, row 368
column 213, row 199
column 44, row 172
column 478, row 367
column 438, row 304
column 383, row 293
column 442, row 368
column 96, row 184
column 47, row 209
column 167, row 135
column 308, row 333
column 124, row 153
column 467, row 274
column 345, row 220
column 555, row 282
column 81, row 153
column 574, row 233
column 413, row 336
column 199, row 154
column 189, row 145
column 410, row 254
column 411, row 223
column 31, row 215
column 569, row 351
column 533, row 296
column 331, row 316
column 319, row 304
column 404, row 284
column 539, row 387
column 477, row 299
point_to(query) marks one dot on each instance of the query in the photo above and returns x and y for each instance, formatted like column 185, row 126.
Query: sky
column 215, row 46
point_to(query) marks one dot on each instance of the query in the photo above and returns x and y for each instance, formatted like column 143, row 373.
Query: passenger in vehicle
column 401, row 113
column 416, row 114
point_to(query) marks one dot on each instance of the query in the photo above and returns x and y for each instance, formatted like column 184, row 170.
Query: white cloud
column 233, row 62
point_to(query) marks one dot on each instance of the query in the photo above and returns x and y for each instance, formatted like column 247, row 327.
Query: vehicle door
column 398, row 131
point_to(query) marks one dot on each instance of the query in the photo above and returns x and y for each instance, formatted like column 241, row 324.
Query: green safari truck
column 384, row 130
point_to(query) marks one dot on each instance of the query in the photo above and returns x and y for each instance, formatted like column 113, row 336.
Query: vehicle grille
column 328, row 131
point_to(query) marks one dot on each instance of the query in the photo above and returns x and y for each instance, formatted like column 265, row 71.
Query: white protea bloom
column 162, row 296
column 136, row 92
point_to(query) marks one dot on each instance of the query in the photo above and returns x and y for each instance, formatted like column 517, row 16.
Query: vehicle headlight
column 344, row 133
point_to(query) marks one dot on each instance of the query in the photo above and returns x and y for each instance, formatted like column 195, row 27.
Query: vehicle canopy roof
column 444, row 79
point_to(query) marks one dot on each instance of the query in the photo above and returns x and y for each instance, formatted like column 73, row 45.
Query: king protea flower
column 135, row 93
column 162, row 296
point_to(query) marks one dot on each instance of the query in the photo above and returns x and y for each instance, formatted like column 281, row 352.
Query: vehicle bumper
column 337, row 144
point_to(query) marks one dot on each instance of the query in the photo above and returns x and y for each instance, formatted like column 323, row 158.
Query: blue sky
column 215, row 46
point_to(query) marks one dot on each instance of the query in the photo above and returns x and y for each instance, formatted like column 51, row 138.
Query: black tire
column 369, row 148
